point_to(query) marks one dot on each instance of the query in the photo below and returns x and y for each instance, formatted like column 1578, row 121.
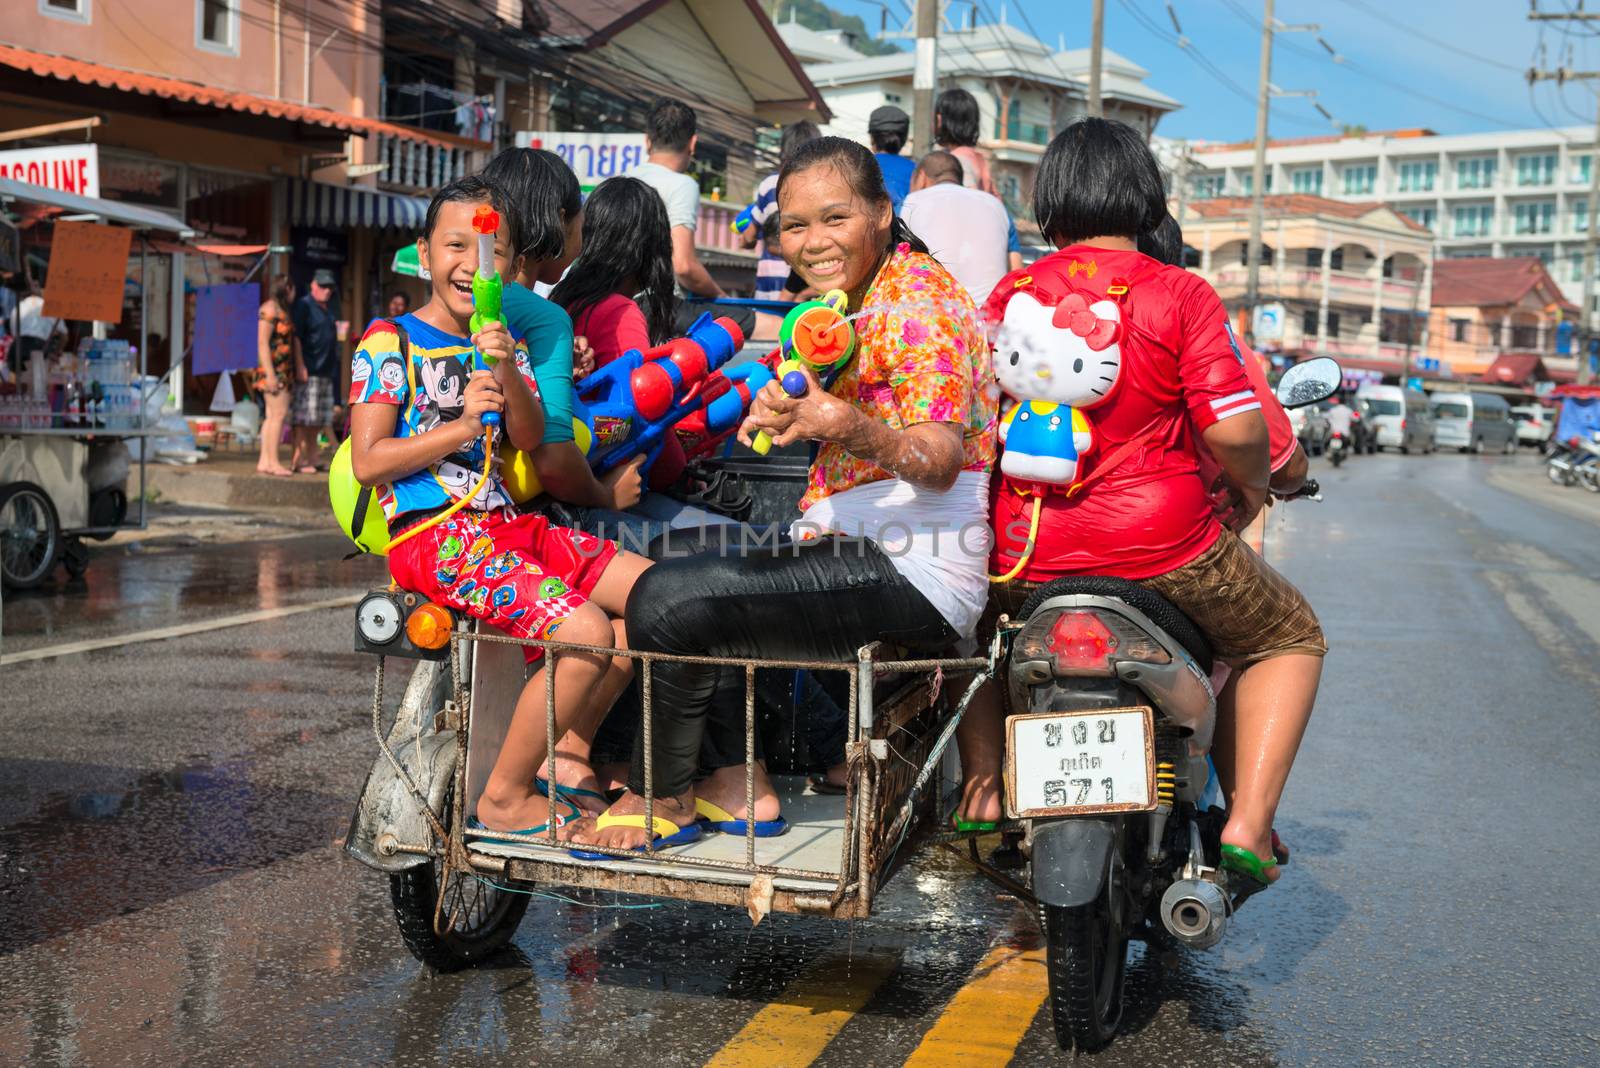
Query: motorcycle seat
column 1162, row 612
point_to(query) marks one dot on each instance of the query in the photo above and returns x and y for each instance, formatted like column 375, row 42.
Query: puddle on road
column 120, row 841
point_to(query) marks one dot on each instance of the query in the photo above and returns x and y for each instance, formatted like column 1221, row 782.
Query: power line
column 1378, row 14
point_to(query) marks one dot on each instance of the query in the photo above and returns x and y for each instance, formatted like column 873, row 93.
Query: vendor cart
column 64, row 474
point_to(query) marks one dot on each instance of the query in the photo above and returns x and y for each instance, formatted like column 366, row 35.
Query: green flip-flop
column 1240, row 860
column 962, row 826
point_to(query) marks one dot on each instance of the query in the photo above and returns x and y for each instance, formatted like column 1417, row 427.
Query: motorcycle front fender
column 387, row 813
column 1070, row 860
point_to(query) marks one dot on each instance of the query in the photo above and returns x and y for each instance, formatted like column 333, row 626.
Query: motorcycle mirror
column 1309, row 381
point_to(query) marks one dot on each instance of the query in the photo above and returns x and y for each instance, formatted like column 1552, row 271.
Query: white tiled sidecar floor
column 813, row 843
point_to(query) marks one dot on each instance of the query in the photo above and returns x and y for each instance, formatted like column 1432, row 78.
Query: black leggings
column 816, row 600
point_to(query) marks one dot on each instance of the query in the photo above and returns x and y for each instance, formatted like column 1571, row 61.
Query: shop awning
column 321, row 204
column 130, row 215
column 1516, row 369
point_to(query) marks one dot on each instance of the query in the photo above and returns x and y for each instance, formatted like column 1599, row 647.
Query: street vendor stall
column 65, row 423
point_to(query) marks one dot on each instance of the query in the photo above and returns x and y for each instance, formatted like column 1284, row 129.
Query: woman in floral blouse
column 893, row 539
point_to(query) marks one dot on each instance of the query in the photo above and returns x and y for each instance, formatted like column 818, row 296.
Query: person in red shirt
column 1140, row 510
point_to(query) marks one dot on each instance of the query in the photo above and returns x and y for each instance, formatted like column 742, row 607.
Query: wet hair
column 472, row 189
column 282, row 290
column 940, row 166
column 795, row 135
column 1098, row 178
column 957, row 112
column 625, row 236
column 1164, row 243
column 671, row 125
column 860, row 170
column 889, row 142
column 543, row 195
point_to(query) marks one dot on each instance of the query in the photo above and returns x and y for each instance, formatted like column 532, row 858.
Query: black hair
column 957, row 112
column 402, row 294
column 471, row 189
column 1098, row 178
column 794, row 135
column 543, row 196
column 941, row 166
column 670, row 126
column 887, row 141
column 860, row 169
column 625, row 236
column 1164, row 243
column 282, row 290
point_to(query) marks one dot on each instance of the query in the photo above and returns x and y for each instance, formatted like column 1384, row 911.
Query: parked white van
column 1399, row 416
column 1472, row 422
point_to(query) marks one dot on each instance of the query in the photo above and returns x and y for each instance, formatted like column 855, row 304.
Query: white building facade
column 1518, row 193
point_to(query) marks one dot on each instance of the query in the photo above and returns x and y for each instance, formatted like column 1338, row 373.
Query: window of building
column 1524, row 336
column 1475, row 173
column 1578, row 169
column 1308, row 322
column 1537, row 170
column 70, row 10
column 1574, row 267
column 1472, row 220
column 1247, row 182
column 1207, row 186
column 1360, row 179
column 1266, row 254
column 1578, row 214
column 1536, row 218
column 217, row 25
column 1313, row 257
column 1333, row 324
column 1306, row 180
column 1418, row 176
column 893, row 98
column 1458, row 329
column 1428, row 216
column 1336, row 260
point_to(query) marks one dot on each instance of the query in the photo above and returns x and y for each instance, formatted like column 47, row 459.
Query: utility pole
column 925, row 75
column 1097, row 46
column 1562, row 75
column 1180, row 178
column 1258, row 180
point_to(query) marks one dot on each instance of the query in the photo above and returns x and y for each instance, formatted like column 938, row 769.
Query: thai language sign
column 593, row 157
column 88, row 266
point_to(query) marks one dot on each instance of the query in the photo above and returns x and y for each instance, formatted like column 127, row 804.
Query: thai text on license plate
column 1078, row 763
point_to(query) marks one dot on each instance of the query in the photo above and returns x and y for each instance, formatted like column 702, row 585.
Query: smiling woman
column 894, row 538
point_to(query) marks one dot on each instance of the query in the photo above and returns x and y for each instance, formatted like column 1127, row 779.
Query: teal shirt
column 545, row 328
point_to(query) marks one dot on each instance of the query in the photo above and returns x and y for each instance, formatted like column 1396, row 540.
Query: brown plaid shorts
column 1247, row 610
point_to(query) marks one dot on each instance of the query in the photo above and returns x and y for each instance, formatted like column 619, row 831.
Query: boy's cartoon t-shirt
column 432, row 393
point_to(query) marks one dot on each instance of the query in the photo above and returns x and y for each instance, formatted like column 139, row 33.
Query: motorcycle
column 1575, row 462
column 1336, row 448
column 1112, row 719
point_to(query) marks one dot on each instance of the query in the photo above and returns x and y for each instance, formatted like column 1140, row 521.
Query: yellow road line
column 793, row 1030
column 987, row 1018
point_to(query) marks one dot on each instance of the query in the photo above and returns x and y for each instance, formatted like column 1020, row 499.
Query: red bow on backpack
column 1073, row 314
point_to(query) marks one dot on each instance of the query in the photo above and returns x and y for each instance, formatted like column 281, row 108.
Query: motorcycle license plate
column 1080, row 763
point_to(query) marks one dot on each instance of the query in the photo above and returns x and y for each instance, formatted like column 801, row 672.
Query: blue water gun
column 745, row 219
column 633, row 402
column 724, row 403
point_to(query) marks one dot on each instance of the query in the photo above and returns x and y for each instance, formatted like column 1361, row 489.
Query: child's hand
column 494, row 342
column 582, row 357
column 625, row 484
column 483, row 394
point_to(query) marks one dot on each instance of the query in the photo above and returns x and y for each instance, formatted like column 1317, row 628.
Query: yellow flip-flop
column 667, row 834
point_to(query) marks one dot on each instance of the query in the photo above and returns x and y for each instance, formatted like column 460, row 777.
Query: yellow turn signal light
column 428, row 626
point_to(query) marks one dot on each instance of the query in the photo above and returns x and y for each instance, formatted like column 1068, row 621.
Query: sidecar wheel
column 485, row 916
column 1086, row 948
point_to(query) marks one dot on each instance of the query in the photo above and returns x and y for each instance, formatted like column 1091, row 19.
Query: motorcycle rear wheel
column 1086, row 948
column 482, row 917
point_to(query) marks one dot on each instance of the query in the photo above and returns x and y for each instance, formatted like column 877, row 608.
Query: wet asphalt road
column 171, row 890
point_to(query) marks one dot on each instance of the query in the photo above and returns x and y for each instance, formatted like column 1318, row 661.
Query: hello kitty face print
column 1066, row 354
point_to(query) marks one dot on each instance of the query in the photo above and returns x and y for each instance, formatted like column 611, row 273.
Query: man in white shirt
column 669, row 144
column 965, row 229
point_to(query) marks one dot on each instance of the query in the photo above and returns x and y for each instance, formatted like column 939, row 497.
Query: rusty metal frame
column 866, row 860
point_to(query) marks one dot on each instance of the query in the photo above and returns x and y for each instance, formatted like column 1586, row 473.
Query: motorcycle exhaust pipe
column 1195, row 912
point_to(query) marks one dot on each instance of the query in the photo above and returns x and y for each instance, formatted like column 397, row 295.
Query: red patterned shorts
column 518, row 573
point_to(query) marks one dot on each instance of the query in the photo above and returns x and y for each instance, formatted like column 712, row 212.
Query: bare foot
column 980, row 800
column 1260, row 845
column 725, row 789
column 577, row 775
column 676, row 810
column 521, row 810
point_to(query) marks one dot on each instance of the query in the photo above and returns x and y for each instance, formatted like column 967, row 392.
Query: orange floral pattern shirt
column 921, row 358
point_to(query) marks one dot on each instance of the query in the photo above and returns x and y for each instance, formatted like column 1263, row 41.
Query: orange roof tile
column 1482, row 282
column 46, row 65
column 1322, row 139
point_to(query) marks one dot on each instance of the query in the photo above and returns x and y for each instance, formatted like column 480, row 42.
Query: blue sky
column 1378, row 85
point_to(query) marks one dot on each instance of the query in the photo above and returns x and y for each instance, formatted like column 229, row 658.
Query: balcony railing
column 413, row 165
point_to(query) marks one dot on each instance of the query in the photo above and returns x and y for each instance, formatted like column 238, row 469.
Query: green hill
column 815, row 15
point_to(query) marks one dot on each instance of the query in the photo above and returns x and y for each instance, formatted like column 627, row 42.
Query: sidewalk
column 1528, row 481
column 229, row 479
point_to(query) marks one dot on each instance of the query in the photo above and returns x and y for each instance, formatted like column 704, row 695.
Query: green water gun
column 488, row 291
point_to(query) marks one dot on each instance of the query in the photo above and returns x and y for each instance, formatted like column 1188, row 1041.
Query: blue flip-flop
column 717, row 818
column 679, row 836
column 475, row 824
column 566, row 793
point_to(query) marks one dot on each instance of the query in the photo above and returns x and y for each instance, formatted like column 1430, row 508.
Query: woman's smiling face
column 830, row 236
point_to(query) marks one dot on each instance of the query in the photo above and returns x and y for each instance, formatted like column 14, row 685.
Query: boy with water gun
column 432, row 393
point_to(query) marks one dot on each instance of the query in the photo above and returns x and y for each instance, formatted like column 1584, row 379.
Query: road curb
column 202, row 484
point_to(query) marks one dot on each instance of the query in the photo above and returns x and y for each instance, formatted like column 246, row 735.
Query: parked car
column 1533, row 422
column 1473, row 422
column 1311, row 427
column 1399, row 416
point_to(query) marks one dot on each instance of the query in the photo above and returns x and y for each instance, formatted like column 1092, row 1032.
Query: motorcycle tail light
column 428, row 626
column 1082, row 641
